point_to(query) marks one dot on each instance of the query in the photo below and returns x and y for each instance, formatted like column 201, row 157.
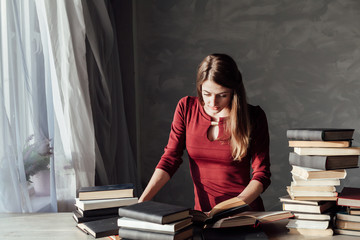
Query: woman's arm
column 157, row 181
column 251, row 192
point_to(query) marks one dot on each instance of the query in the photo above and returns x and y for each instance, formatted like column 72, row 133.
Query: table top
column 62, row 226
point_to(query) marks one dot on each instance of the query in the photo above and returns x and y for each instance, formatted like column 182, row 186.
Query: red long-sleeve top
column 215, row 174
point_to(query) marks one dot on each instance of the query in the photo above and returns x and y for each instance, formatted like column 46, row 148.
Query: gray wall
column 300, row 61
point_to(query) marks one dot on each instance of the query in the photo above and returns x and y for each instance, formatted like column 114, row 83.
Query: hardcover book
column 104, row 203
column 324, row 162
column 311, row 232
column 310, row 224
column 333, row 144
column 154, row 227
column 347, row 232
column 288, row 199
column 100, row 228
column 320, row 134
column 295, row 188
column 297, row 181
column 105, row 192
column 347, row 217
column 305, row 208
column 81, row 219
column 147, row 235
column 347, row 225
column 349, row 196
column 155, row 212
column 328, row 151
column 98, row 212
column 312, row 216
column 312, row 173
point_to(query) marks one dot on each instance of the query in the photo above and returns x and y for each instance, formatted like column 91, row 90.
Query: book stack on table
column 347, row 220
column 319, row 161
column 96, row 208
column 155, row 220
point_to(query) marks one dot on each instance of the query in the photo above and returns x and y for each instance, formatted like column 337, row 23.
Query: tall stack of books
column 155, row 220
column 348, row 220
column 319, row 161
column 96, row 208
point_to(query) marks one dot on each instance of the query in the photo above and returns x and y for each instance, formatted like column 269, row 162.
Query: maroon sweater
column 216, row 176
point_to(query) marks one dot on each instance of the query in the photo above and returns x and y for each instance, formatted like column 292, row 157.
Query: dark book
column 98, row 212
column 224, row 209
column 155, row 212
column 100, row 228
column 147, row 235
column 320, row 134
column 349, row 196
column 81, row 219
column 324, row 162
column 106, row 192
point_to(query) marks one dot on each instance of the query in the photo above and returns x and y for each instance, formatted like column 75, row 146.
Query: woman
column 224, row 137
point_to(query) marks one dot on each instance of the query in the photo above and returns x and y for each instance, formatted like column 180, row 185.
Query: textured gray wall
column 300, row 61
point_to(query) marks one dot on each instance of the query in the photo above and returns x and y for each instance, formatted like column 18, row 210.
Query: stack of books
column 155, row 220
column 319, row 161
column 348, row 220
column 96, row 208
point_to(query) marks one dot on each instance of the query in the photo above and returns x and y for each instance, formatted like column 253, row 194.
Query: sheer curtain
column 60, row 86
column 45, row 105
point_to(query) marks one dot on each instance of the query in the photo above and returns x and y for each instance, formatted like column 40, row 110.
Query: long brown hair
column 223, row 70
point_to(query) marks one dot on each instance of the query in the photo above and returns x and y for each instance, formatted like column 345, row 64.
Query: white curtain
column 45, row 111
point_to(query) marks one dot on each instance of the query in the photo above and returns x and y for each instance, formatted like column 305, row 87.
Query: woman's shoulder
column 256, row 112
column 188, row 102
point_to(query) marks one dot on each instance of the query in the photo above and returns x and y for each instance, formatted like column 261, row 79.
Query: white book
column 298, row 181
column 153, row 227
column 327, row 151
column 312, row 216
column 304, row 208
column 288, row 199
column 312, row 173
column 104, row 203
column 308, row 224
column 315, row 188
column 313, row 194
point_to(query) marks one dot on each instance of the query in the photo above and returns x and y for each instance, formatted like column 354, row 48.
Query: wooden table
column 62, row 226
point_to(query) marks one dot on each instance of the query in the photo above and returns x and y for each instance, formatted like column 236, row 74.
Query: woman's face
column 216, row 98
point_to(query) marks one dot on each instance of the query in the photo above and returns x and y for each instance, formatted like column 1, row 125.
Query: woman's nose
column 212, row 101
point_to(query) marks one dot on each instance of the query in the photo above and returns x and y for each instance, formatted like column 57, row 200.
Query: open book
column 251, row 218
column 224, row 209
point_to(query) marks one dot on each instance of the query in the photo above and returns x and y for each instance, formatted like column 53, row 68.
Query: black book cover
column 155, row 212
column 320, row 134
column 81, row 219
column 98, row 212
column 100, row 228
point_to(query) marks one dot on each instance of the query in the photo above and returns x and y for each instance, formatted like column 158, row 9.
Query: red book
column 350, row 197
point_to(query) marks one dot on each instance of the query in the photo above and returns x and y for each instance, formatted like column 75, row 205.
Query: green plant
column 36, row 155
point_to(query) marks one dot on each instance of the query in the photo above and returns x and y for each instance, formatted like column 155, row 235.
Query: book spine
column 308, row 135
column 317, row 162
